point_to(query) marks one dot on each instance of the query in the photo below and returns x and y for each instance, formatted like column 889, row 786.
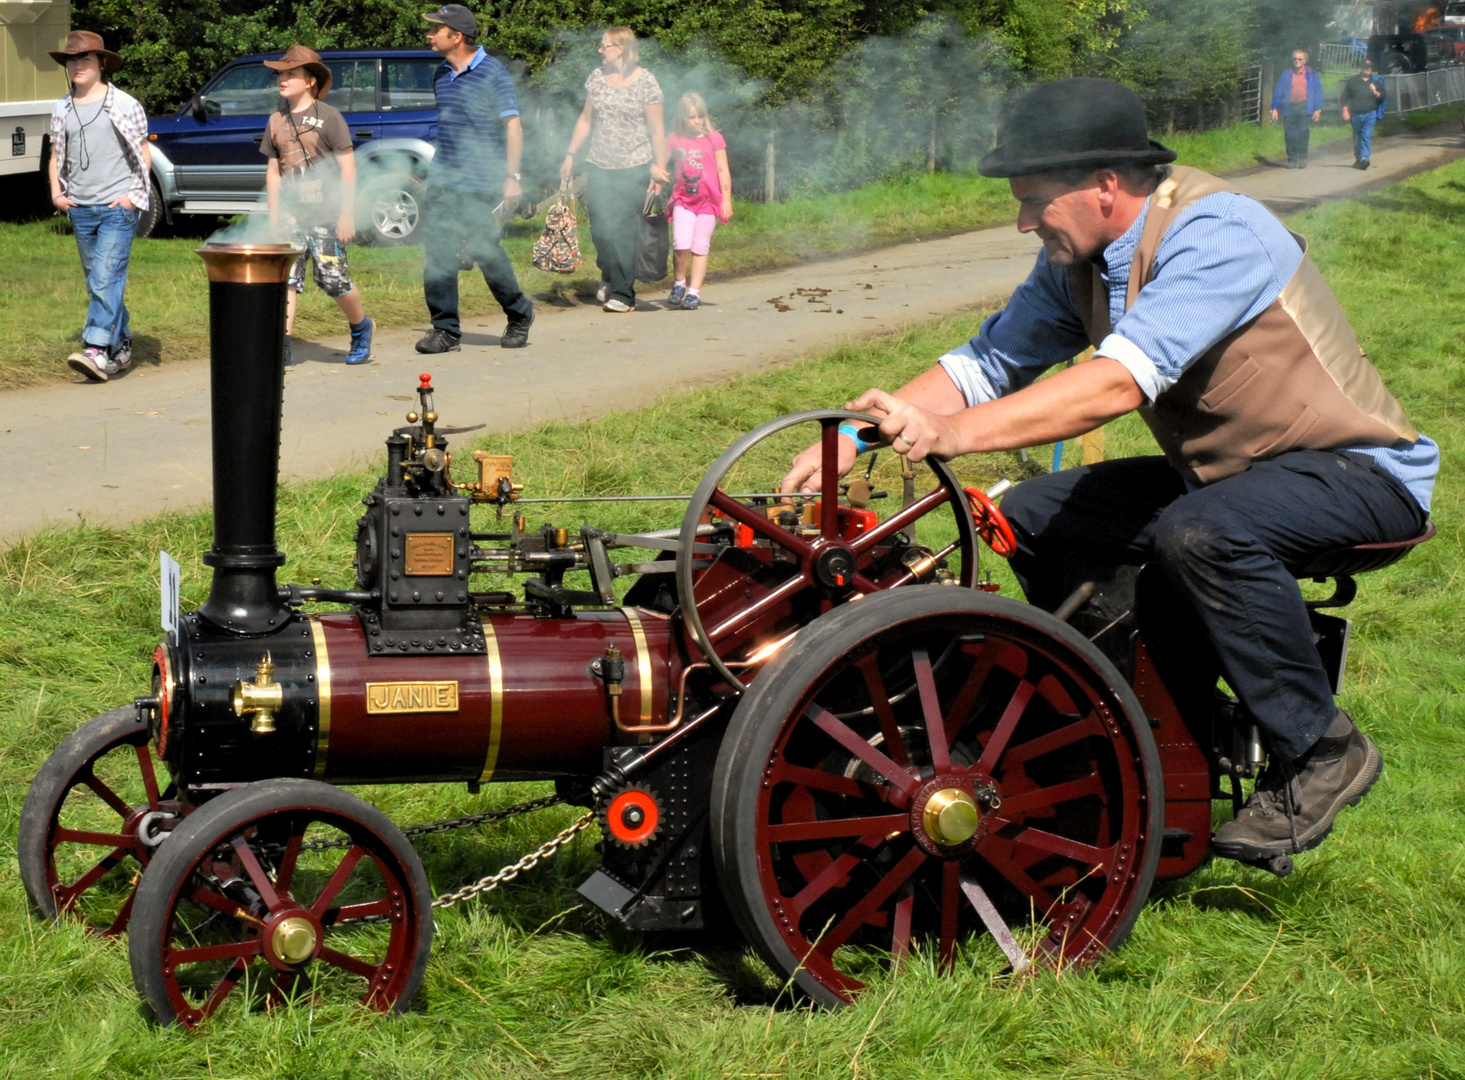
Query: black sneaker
column 439, row 341
column 1295, row 803
column 516, row 334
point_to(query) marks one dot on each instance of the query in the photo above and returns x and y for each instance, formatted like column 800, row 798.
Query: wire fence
column 1249, row 98
column 1335, row 59
column 1424, row 89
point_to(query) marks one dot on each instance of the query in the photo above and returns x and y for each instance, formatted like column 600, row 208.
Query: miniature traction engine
column 807, row 715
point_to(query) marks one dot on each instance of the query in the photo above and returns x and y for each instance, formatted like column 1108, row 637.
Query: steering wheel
column 991, row 526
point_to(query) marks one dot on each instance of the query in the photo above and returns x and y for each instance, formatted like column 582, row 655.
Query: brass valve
column 260, row 699
column 495, row 478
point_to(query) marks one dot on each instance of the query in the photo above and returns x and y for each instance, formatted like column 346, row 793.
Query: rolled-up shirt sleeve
column 1221, row 264
column 1038, row 328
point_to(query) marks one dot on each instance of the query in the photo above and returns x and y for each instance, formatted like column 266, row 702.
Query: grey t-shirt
column 97, row 170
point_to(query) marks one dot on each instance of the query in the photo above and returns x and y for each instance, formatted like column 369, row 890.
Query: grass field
column 43, row 296
column 1351, row 968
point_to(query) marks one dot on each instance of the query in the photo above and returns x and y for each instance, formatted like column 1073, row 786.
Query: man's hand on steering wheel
column 912, row 431
column 804, row 473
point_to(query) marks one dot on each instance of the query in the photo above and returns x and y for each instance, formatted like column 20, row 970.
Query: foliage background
column 847, row 91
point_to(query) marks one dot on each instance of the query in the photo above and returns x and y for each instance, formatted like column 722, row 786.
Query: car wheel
column 390, row 212
column 149, row 220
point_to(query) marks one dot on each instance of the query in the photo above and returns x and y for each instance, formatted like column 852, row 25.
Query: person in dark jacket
column 1363, row 105
column 1298, row 102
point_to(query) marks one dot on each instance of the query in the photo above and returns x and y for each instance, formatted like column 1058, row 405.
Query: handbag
column 653, row 247
column 558, row 247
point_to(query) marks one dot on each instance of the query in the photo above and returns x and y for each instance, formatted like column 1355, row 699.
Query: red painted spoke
column 950, row 913
column 91, row 877
column 900, row 938
column 347, row 962
column 1005, row 864
column 898, row 521
column 107, row 795
column 742, row 619
column 834, row 783
column 1005, row 726
column 994, row 923
column 880, row 701
column 858, row 915
column 1054, row 740
column 931, row 710
column 119, row 924
column 829, row 473
column 149, row 778
column 201, row 954
column 219, row 902
column 256, row 873
column 841, row 733
column 760, row 524
column 831, row 828
column 119, row 841
column 338, row 879
column 1097, row 858
column 1043, row 798
column 336, row 916
column 833, row 874
column 231, row 977
column 971, row 689
column 285, row 873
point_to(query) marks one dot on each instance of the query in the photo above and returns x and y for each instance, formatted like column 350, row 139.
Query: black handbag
column 653, row 247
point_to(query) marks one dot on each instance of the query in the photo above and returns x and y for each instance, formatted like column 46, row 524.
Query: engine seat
column 1359, row 559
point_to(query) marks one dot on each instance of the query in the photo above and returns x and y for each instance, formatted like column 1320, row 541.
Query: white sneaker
column 122, row 355
column 602, row 293
column 92, row 362
column 617, row 305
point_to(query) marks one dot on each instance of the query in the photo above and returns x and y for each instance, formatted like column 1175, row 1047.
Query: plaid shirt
column 131, row 122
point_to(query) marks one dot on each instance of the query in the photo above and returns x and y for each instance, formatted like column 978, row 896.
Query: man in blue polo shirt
column 474, row 170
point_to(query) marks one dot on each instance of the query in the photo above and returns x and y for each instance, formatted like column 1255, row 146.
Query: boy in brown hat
column 99, row 180
column 311, row 183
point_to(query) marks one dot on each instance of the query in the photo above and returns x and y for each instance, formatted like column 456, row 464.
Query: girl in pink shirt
column 700, row 198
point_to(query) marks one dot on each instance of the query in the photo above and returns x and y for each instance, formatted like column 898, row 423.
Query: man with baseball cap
column 1363, row 105
column 99, row 180
column 475, row 171
column 1279, row 439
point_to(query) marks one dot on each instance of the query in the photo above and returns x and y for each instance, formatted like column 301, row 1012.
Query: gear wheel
column 632, row 817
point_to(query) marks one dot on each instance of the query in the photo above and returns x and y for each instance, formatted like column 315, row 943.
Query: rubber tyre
column 151, row 220
column 279, row 808
column 745, row 773
column 390, row 211
column 116, row 731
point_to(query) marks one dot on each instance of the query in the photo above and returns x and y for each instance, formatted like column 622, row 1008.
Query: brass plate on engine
column 411, row 697
column 428, row 555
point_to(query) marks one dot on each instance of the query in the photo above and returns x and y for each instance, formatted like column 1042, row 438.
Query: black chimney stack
column 247, row 373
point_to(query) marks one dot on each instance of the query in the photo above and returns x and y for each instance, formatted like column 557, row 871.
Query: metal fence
column 1423, row 89
column 1249, row 98
column 1333, row 59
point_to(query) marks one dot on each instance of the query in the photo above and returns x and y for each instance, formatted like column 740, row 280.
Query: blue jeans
column 459, row 225
column 104, row 239
column 1363, row 134
column 1226, row 554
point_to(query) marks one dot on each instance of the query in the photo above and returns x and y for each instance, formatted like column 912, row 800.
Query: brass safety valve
column 260, row 699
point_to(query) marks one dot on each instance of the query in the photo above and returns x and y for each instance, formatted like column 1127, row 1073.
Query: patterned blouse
column 619, row 136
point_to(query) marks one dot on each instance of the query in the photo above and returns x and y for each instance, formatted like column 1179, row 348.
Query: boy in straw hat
column 99, row 180
column 311, row 183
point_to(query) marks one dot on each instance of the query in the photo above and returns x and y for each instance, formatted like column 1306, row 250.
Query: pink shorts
column 689, row 230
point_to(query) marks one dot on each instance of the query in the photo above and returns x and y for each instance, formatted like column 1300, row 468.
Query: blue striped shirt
column 1222, row 263
column 472, row 106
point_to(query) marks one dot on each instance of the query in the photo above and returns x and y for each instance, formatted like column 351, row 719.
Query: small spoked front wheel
column 277, row 890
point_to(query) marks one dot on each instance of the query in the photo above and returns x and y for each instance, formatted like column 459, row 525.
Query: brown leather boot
column 1295, row 803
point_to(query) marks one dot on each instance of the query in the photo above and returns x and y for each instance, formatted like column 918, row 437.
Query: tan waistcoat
column 1294, row 378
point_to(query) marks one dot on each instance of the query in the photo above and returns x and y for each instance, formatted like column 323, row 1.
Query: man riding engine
column 1279, row 439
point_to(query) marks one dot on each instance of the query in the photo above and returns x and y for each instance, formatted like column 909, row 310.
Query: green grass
column 1354, row 967
column 43, row 296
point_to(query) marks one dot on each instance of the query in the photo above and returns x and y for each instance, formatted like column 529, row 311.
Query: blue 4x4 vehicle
column 206, row 159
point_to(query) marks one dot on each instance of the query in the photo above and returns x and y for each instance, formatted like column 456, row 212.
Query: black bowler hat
column 1074, row 123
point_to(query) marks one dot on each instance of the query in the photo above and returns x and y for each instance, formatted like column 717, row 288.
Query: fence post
column 1264, row 95
column 770, row 155
column 931, row 144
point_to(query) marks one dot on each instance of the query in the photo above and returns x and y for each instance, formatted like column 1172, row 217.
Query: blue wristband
column 858, row 435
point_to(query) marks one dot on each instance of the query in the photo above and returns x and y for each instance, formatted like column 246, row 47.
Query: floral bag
column 558, row 247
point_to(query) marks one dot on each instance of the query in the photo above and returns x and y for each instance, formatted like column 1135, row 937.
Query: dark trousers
column 461, row 223
column 1297, row 130
column 1226, row 554
column 615, row 198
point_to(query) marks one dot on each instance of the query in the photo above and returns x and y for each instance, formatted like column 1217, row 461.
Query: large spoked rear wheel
column 90, row 822
column 277, row 890
column 930, row 767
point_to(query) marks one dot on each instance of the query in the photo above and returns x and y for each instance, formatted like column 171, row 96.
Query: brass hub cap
column 951, row 817
column 293, row 940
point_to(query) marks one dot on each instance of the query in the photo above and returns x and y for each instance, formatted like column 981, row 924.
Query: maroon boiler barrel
column 531, row 709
